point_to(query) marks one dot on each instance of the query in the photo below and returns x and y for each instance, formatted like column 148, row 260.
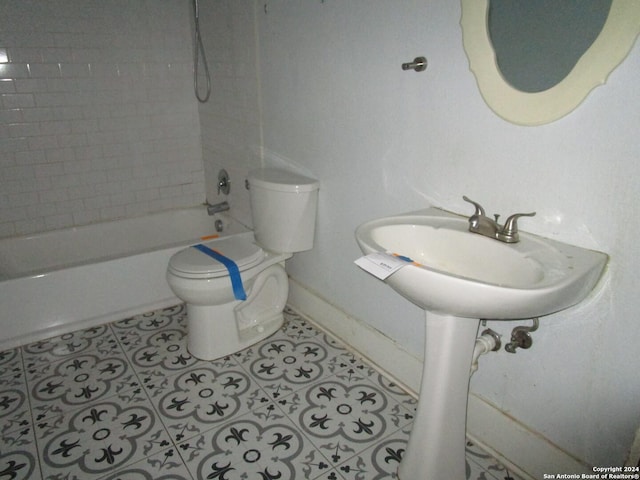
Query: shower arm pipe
column 198, row 47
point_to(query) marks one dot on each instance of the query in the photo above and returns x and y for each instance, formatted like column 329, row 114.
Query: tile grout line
column 31, row 412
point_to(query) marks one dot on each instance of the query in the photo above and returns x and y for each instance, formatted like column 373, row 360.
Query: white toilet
column 219, row 322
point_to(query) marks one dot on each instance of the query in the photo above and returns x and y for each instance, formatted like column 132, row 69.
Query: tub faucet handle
column 224, row 183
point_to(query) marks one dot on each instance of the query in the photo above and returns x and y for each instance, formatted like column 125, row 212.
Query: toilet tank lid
column 282, row 180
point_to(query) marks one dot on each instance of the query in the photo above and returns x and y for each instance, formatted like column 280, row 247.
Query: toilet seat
column 192, row 263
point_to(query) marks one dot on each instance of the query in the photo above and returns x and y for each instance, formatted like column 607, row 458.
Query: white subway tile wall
column 97, row 114
column 231, row 117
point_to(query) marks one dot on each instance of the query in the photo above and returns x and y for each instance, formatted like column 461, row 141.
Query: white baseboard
column 368, row 342
column 634, row 454
column 522, row 450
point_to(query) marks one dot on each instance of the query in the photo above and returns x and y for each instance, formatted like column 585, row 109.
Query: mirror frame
column 610, row 48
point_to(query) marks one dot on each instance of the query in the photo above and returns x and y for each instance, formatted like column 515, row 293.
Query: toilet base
column 207, row 343
column 215, row 331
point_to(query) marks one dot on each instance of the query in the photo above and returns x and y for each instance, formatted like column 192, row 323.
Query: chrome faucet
column 480, row 223
column 217, row 207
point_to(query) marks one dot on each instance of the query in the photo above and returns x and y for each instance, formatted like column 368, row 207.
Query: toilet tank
column 283, row 208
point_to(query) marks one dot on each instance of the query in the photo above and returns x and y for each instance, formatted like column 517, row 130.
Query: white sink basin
column 468, row 275
column 458, row 278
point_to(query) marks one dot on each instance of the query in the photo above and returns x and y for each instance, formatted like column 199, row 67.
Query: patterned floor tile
column 151, row 322
column 164, row 353
column 96, row 439
column 480, row 463
column 294, row 357
column 15, row 412
column 297, row 327
column 78, row 380
column 359, row 369
column 100, row 339
column 394, row 390
column 159, row 353
column 345, row 416
column 10, row 362
column 127, row 401
column 250, row 447
column 165, row 465
column 19, row 455
column 378, row 462
column 382, row 461
column 332, row 475
column 203, row 397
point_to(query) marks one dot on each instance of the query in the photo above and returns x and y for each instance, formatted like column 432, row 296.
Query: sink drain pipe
column 489, row 341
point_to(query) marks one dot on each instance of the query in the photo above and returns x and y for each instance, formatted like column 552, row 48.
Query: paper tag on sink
column 382, row 265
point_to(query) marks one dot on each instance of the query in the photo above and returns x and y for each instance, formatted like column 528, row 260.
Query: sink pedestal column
column 436, row 449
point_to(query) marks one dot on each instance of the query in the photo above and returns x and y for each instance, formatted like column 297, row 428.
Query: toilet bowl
column 219, row 320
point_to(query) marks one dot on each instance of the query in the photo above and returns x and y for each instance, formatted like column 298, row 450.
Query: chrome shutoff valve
column 521, row 337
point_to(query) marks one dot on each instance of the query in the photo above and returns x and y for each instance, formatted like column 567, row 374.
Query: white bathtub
column 56, row 282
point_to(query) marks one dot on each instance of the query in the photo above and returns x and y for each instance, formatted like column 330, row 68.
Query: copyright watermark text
column 599, row 473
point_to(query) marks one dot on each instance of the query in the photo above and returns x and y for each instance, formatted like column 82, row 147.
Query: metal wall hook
column 419, row 64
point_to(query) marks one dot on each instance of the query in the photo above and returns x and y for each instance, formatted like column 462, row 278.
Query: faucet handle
column 479, row 209
column 509, row 232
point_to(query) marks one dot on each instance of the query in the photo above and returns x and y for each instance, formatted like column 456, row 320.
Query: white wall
column 97, row 114
column 384, row 141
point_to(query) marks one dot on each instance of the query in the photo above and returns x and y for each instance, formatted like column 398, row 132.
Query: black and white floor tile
column 126, row 401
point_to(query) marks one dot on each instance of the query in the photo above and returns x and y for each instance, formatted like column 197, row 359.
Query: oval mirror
column 544, row 95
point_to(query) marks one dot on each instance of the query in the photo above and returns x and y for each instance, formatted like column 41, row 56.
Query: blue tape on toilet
column 232, row 267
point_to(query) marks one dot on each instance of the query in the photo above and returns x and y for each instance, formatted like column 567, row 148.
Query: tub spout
column 217, row 207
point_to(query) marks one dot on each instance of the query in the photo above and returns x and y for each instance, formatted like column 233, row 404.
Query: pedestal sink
column 458, row 278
